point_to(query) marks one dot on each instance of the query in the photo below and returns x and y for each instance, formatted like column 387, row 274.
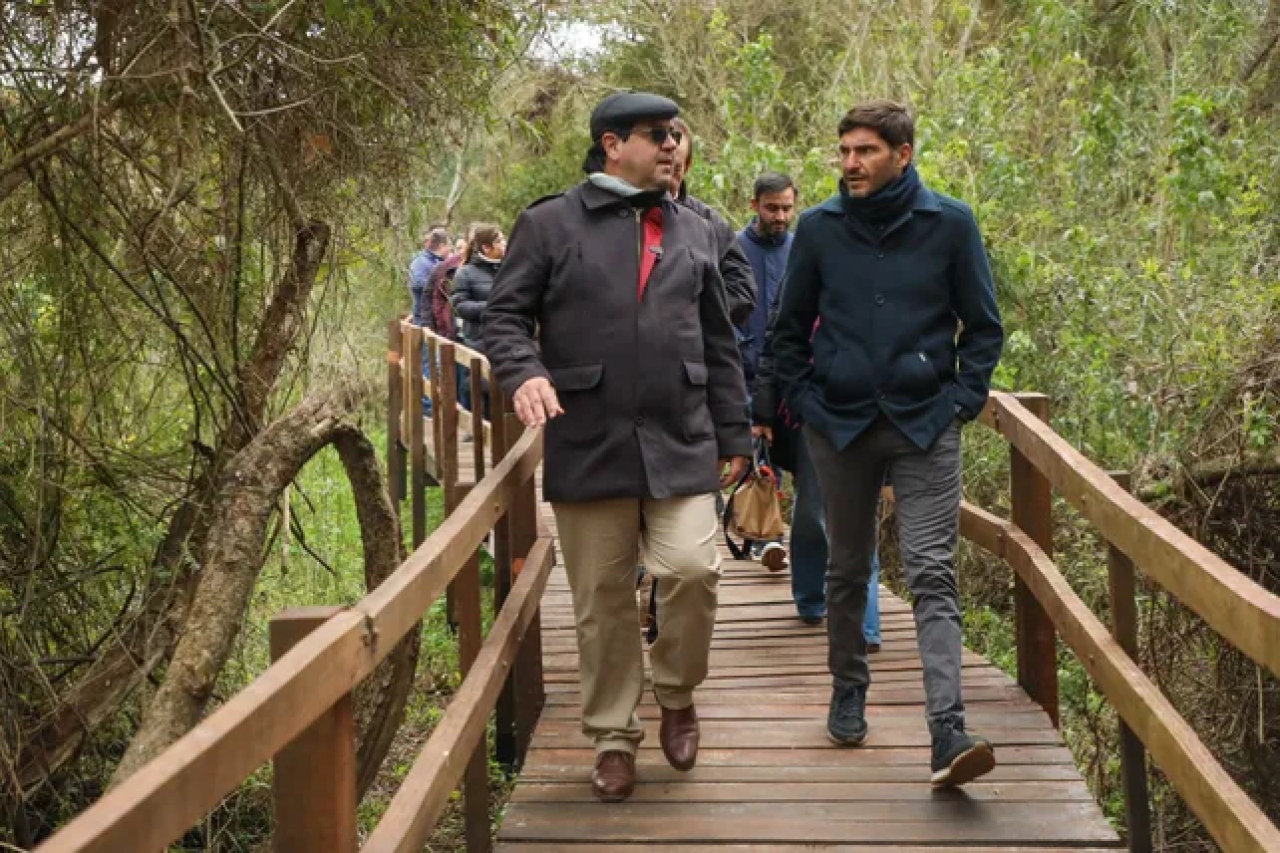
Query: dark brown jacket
column 651, row 388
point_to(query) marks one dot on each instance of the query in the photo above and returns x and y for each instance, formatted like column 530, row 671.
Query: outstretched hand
column 536, row 402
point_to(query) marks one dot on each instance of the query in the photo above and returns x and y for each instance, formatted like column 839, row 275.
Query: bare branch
column 13, row 172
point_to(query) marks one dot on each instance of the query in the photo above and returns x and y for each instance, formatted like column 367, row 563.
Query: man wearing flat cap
column 608, row 324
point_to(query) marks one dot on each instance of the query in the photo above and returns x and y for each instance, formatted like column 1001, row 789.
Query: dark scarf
column 886, row 204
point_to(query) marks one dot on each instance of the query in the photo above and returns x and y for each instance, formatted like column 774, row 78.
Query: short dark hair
column 595, row 159
column 891, row 120
column 772, row 182
column 438, row 236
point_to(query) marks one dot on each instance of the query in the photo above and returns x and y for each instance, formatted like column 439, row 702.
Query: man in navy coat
column 909, row 338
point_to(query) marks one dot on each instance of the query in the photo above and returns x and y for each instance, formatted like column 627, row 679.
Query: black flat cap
column 623, row 109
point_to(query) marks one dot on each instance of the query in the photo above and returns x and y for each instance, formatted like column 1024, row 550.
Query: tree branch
column 13, row 172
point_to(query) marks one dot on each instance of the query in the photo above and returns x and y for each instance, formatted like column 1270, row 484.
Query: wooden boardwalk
column 768, row 779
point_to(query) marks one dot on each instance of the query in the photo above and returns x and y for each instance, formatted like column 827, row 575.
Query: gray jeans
column 926, row 488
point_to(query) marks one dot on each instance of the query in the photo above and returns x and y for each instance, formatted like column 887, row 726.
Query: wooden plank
column 940, row 820
column 535, row 847
column 162, row 800
column 913, row 757
column 1231, row 817
column 1032, row 510
column 801, row 792
column 313, row 786
column 411, row 816
column 978, row 714
column 798, row 734
column 780, row 775
column 881, row 694
column 1242, row 611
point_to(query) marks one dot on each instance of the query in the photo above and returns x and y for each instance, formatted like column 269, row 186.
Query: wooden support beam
column 467, row 607
column 1122, row 585
column 313, row 783
column 504, row 745
column 528, row 688
column 1032, row 510
column 417, row 452
column 395, row 404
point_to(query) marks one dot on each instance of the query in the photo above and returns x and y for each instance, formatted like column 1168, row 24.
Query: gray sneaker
column 958, row 757
column 847, row 719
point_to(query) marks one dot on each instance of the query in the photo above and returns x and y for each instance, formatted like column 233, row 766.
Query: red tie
column 652, row 246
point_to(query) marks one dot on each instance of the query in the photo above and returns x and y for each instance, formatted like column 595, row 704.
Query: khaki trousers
column 602, row 542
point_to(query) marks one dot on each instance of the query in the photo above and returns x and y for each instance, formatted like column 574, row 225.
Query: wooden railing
column 298, row 713
column 1241, row 611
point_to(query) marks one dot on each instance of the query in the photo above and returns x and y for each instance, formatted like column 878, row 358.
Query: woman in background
column 471, row 287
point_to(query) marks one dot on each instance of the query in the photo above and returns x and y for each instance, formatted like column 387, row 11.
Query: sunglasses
column 659, row 135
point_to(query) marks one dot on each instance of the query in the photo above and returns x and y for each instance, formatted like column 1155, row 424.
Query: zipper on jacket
column 639, row 245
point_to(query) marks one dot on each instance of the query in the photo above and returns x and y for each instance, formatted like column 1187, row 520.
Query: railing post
column 504, row 743
column 467, row 604
column 478, row 405
column 445, row 414
column 1133, row 755
column 1032, row 512
column 395, row 401
column 417, row 447
column 433, row 358
column 526, row 674
column 313, row 782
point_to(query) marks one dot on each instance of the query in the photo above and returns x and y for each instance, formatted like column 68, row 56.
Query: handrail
column 167, row 796
column 1226, row 810
column 1242, row 611
column 407, row 823
column 463, row 351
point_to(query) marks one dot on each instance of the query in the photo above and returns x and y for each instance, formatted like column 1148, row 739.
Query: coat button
column 879, row 298
column 639, row 420
column 880, row 395
column 879, row 254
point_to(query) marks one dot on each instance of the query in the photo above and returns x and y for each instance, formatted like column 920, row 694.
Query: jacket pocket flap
column 696, row 371
column 582, row 377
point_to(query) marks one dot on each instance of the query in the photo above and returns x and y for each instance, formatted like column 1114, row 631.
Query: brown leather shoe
column 679, row 736
column 614, row 777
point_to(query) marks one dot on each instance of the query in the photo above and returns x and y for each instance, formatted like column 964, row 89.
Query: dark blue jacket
column 419, row 271
column 768, row 259
column 890, row 307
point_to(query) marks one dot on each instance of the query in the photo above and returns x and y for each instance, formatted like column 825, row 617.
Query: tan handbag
column 754, row 509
